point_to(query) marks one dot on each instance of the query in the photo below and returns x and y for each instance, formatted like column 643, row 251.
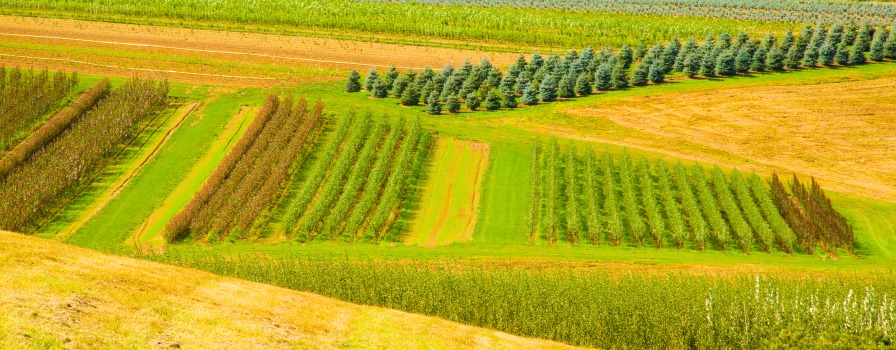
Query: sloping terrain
column 58, row 296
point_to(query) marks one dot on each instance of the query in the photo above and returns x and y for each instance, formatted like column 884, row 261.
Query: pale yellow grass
column 842, row 133
column 58, row 296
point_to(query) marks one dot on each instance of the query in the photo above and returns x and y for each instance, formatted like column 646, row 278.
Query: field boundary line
column 209, row 51
column 135, row 69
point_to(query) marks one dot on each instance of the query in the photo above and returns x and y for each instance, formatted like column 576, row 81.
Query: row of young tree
column 812, row 215
column 537, row 80
column 251, row 176
column 759, row 10
column 357, row 187
column 40, row 185
column 25, row 97
column 583, row 198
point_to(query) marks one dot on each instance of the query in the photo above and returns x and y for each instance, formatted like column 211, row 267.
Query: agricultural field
column 444, row 174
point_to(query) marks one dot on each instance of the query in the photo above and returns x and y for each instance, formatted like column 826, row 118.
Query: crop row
column 575, row 198
column 25, row 96
column 357, row 186
column 33, row 191
column 249, row 179
column 540, row 79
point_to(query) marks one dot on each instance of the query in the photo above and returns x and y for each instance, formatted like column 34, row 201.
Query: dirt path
column 112, row 191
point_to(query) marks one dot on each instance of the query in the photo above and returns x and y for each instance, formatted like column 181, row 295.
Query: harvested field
column 832, row 131
column 209, row 56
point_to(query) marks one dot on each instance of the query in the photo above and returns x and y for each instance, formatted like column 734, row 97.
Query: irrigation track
column 108, row 196
column 347, row 63
column 135, row 69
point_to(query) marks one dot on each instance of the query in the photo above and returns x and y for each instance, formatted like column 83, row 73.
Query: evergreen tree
column 803, row 40
column 372, row 77
column 470, row 85
column 689, row 47
column 447, row 71
column 548, row 89
column 787, row 42
column 708, row 65
column 653, row 55
column 670, row 53
column 742, row 61
column 451, row 87
column 586, row 58
column 725, row 63
column 625, row 56
column 530, row 96
column 381, row 88
column 724, row 42
column 602, row 78
column 426, row 90
column 849, row 35
column 583, row 84
column 826, row 54
column 890, row 44
column 493, row 100
column 639, row 75
column 390, row 76
column 655, row 73
column 354, row 82
column 709, row 43
column 493, row 78
column 842, row 55
column 472, row 101
column 411, row 95
column 566, row 87
column 775, row 59
column 535, row 63
column 508, row 100
column 507, row 84
column 818, row 37
column 464, row 72
column 863, row 38
column 438, row 84
column 399, row 85
column 835, row 34
column 877, row 45
column 640, row 49
column 452, row 105
column 856, row 55
column 768, row 42
column 522, row 82
column 758, row 62
column 741, row 39
column 810, row 56
column 691, row 65
column 432, row 104
column 793, row 57
column 619, row 76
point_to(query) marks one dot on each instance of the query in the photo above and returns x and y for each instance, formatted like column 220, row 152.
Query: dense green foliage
column 635, row 311
column 544, row 28
column 25, row 96
column 35, row 190
column 647, row 202
column 581, row 73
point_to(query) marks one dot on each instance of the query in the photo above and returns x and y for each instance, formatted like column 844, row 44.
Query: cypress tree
column 372, row 77
column 640, row 49
column 619, row 76
column 691, row 65
column 452, row 105
column 639, row 75
column 758, row 62
column 432, row 104
column 411, row 95
column 472, row 101
column 354, row 82
column 602, row 78
column 508, row 100
column 877, row 45
column 548, row 89
column 381, row 88
column 655, row 73
column 826, row 54
column 566, row 87
column 890, row 44
column 775, row 59
column 493, row 100
column 725, row 63
column 670, row 53
column 530, row 97
column 625, row 56
column 842, row 55
column 583, row 84
column 742, row 61
column 399, row 85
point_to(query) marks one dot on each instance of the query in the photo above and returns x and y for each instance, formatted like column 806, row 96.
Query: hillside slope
column 58, row 296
